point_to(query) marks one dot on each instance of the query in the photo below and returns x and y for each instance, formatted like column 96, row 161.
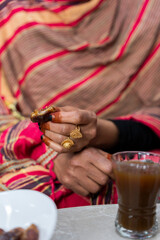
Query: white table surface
column 90, row 223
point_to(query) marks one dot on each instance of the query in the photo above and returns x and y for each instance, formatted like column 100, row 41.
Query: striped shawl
column 101, row 55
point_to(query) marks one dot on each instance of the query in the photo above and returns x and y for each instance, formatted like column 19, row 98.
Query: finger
column 100, row 161
column 59, row 139
column 56, row 147
column 63, row 129
column 80, row 190
column 74, row 117
column 108, row 156
column 96, row 175
column 70, row 182
column 55, row 137
column 104, row 165
column 90, row 186
column 87, row 183
column 67, row 108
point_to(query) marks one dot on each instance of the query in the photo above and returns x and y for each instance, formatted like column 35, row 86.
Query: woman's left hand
column 70, row 129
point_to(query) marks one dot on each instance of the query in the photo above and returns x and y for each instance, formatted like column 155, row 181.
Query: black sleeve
column 135, row 136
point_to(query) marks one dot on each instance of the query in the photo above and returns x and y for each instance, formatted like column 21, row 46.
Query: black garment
column 135, row 136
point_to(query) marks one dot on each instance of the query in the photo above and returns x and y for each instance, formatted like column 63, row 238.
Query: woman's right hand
column 71, row 125
column 94, row 132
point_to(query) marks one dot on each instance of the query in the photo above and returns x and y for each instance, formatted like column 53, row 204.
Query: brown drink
column 138, row 184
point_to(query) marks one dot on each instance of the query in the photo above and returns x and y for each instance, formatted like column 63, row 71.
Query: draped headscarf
column 101, row 55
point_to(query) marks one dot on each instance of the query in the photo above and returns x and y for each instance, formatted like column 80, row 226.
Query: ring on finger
column 76, row 133
column 67, row 143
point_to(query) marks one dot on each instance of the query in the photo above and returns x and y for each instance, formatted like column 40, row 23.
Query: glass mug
column 137, row 177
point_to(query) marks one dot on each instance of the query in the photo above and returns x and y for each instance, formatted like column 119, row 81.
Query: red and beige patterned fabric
column 102, row 55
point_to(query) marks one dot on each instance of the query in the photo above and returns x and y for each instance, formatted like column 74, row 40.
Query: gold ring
column 76, row 133
column 67, row 143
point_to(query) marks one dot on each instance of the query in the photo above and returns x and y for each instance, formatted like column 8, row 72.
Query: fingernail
column 41, row 137
column 48, row 118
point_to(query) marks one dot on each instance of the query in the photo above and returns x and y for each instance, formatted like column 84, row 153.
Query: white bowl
column 21, row 208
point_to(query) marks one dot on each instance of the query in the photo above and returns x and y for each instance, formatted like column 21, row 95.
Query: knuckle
column 84, row 153
column 66, row 180
column 93, row 116
column 109, row 167
column 60, row 150
column 48, row 134
column 61, row 139
column 95, row 189
column 46, row 125
column 71, row 172
column 85, row 193
column 89, row 152
column 92, row 133
column 63, row 129
column 78, row 146
column 103, row 180
column 78, row 117
column 74, row 162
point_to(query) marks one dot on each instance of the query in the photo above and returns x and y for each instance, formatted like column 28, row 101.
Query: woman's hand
column 71, row 125
column 84, row 172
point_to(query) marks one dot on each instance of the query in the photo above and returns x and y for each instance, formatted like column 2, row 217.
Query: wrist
column 107, row 134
